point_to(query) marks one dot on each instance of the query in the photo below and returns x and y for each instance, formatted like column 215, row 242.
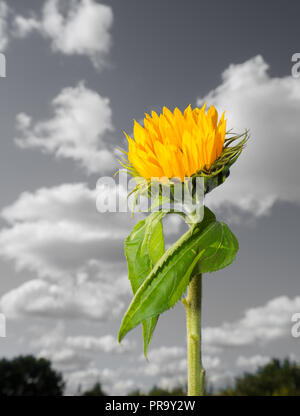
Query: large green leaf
column 143, row 248
column 169, row 278
column 210, row 245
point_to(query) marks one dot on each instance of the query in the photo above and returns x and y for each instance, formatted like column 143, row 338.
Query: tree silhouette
column 29, row 376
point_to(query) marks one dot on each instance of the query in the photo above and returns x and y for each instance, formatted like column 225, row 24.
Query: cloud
column 110, row 380
column 261, row 324
column 169, row 366
column 269, row 107
column 162, row 354
column 57, row 232
column 93, row 300
column 4, row 35
column 106, row 344
column 76, row 252
column 80, row 357
column 66, row 360
column 252, row 363
column 72, row 353
column 166, row 365
column 76, row 27
column 164, row 361
column 75, row 357
column 80, row 124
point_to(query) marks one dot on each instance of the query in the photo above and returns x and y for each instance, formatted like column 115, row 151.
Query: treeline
column 30, row 376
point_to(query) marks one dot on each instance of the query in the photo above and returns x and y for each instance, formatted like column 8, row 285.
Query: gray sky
column 63, row 277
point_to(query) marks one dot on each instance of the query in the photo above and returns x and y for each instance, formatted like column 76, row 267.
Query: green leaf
column 169, row 278
column 221, row 253
column 143, row 248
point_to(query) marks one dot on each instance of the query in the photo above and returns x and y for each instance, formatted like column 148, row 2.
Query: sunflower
column 180, row 145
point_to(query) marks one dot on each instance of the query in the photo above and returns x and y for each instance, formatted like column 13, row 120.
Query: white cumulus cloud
column 98, row 299
column 80, row 124
column 105, row 343
column 269, row 107
column 74, row 27
column 258, row 325
column 76, row 253
column 57, row 232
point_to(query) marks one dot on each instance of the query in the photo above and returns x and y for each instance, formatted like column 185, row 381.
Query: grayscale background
column 78, row 74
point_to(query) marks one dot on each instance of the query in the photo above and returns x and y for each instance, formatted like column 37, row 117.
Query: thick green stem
column 196, row 374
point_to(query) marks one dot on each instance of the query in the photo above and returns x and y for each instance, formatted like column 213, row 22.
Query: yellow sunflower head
column 181, row 145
